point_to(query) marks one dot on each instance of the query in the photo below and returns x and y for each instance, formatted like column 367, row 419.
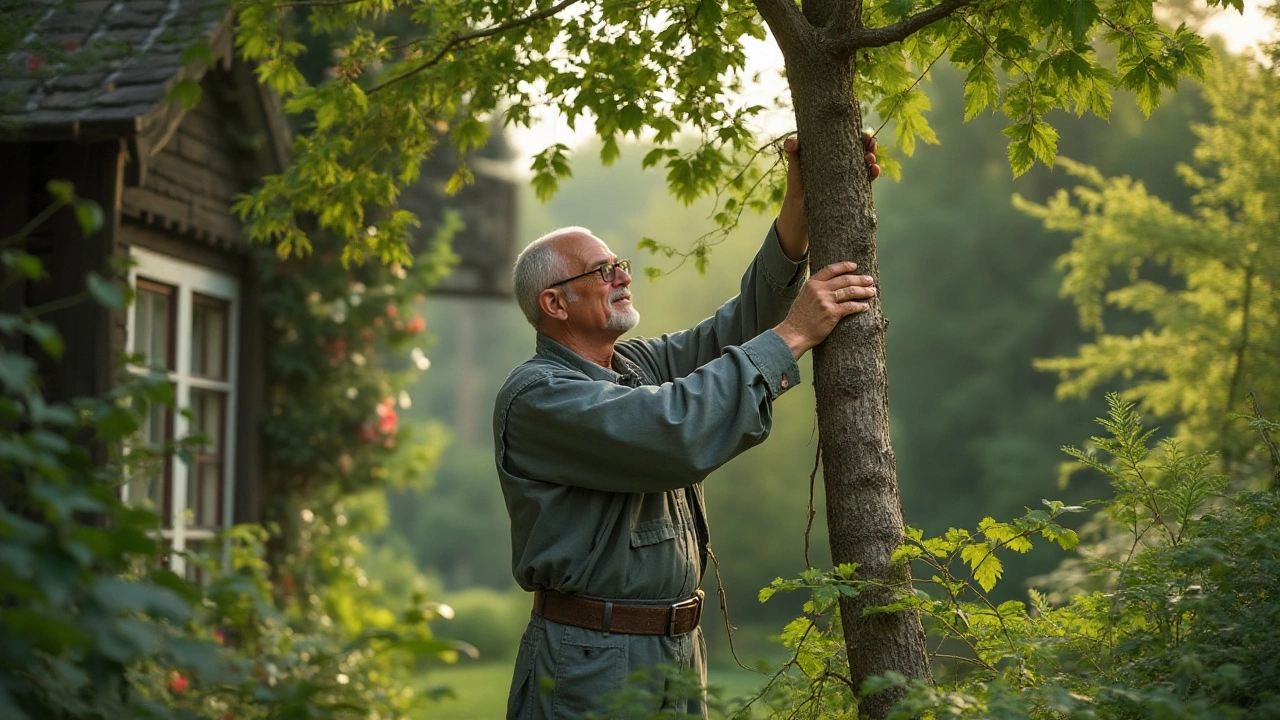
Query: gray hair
column 539, row 265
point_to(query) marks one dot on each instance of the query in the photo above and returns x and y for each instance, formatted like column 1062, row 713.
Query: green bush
column 92, row 627
column 1185, row 627
column 489, row 620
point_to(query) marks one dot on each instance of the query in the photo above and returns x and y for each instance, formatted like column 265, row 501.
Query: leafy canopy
column 404, row 76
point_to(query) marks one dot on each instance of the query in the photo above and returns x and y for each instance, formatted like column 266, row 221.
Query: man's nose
column 621, row 277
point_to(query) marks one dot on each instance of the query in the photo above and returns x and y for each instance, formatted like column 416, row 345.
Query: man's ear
column 551, row 301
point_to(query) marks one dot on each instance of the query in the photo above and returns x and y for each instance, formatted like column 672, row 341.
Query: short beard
column 621, row 320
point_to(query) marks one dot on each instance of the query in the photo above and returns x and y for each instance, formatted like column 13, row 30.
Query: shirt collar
column 629, row 375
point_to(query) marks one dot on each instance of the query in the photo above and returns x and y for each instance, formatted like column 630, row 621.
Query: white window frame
column 191, row 278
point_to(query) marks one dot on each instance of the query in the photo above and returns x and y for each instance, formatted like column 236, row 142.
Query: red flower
column 392, row 311
column 388, row 421
column 71, row 45
column 220, row 636
column 416, row 325
column 35, row 64
column 338, row 349
column 178, row 683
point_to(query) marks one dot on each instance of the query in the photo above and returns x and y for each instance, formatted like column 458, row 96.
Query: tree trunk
column 864, row 514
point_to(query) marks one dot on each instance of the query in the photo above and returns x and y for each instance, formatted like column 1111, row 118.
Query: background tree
column 660, row 66
column 1207, row 281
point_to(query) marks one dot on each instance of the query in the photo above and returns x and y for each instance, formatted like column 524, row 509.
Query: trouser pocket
column 519, row 699
column 584, row 675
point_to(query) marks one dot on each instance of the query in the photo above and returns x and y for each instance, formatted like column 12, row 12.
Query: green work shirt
column 601, row 469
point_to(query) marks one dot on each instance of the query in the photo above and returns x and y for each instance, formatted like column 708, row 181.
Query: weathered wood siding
column 191, row 181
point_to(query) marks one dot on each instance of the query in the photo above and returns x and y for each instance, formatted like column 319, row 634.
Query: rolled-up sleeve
column 566, row 428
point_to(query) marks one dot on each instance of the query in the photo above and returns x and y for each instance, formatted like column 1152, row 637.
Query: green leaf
column 106, row 292
column 984, row 564
column 980, row 90
column 1081, row 16
column 200, row 656
column 653, row 157
column 48, row 338
column 1021, row 156
column 53, row 634
column 186, row 92
column 17, row 372
column 116, row 423
column 121, row 596
column 898, row 8
column 461, row 177
column 26, row 265
column 970, row 51
column 1012, row 44
column 631, row 117
column 609, row 151
column 62, row 190
column 198, row 52
column 1144, row 83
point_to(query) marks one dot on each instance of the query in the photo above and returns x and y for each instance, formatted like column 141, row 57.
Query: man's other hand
column 793, row 227
column 830, row 294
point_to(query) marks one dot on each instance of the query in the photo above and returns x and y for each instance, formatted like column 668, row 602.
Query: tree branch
column 1266, row 438
column 457, row 40
column 853, row 39
column 788, row 24
column 1241, row 349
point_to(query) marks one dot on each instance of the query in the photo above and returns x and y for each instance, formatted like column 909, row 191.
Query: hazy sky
column 1240, row 32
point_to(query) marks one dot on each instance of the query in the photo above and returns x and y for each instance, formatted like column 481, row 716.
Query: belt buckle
column 694, row 602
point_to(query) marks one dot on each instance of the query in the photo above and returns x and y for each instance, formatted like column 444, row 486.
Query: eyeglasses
column 607, row 272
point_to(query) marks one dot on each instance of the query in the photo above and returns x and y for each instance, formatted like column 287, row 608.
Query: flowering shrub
column 91, row 625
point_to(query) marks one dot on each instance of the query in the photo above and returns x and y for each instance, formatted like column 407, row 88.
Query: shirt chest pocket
column 652, row 532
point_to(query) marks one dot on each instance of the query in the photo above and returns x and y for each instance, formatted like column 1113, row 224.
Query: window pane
column 204, row 490
column 198, row 561
column 153, row 313
column 207, row 419
column 150, row 475
column 208, row 337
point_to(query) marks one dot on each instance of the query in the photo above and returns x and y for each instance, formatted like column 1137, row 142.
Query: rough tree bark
column 864, row 513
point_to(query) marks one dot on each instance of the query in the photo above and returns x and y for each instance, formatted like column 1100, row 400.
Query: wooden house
column 165, row 177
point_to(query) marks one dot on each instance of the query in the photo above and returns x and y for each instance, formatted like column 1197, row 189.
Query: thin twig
column 808, row 526
column 1238, row 372
column 34, row 223
column 724, row 608
column 1266, row 438
column 56, row 305
column 992, row 46
column 457, row 40
column 945, row 48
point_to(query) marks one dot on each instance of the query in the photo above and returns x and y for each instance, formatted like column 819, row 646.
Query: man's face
column 600, row 306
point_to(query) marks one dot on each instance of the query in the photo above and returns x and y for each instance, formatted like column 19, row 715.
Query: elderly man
column 602, row 446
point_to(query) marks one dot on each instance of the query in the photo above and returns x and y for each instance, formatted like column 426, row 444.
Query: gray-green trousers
column 565, row 673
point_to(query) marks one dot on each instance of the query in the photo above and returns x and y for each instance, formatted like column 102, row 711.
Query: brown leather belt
column 674, row 619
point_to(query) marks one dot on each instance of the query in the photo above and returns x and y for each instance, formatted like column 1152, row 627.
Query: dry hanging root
column 724, row 608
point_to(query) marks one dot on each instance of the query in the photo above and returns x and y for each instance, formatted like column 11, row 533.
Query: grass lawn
column 481, row 688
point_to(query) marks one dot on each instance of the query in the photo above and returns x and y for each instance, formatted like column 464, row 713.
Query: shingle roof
column 98, row 67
